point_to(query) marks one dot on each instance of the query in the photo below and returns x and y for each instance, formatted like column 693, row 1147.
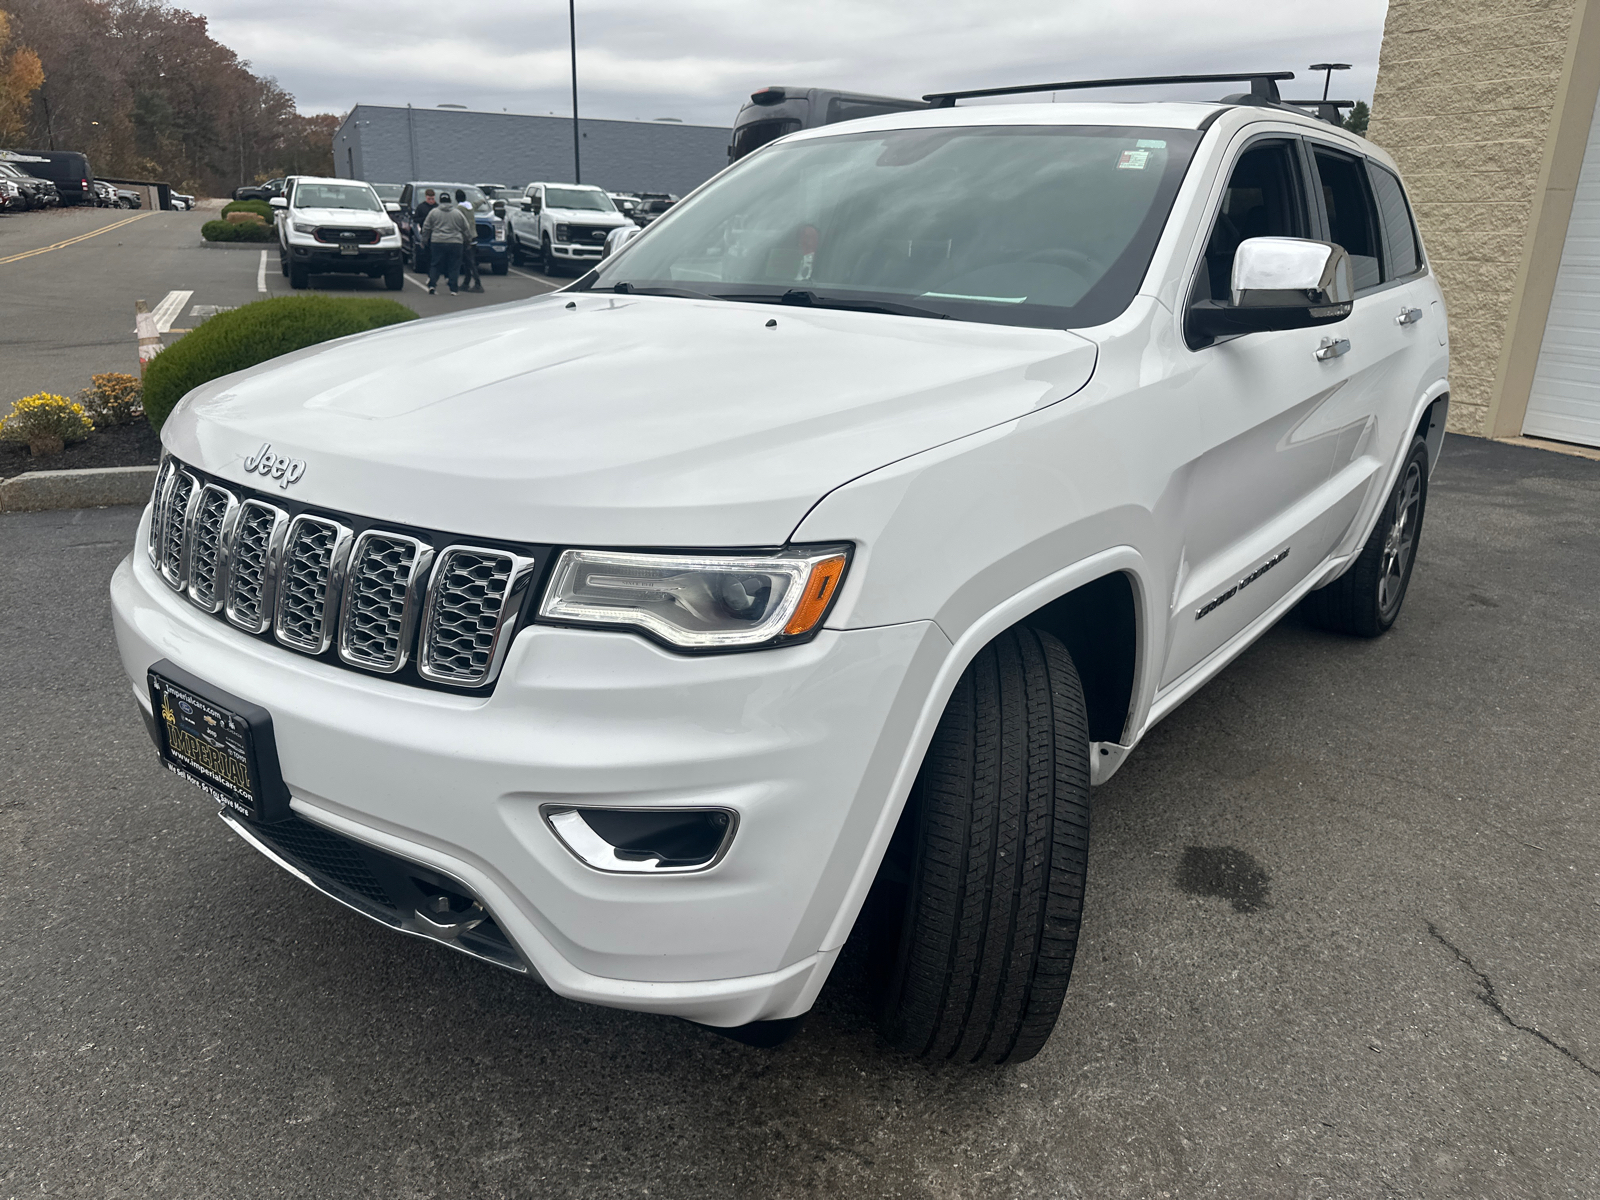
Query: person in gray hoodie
column 448, row 231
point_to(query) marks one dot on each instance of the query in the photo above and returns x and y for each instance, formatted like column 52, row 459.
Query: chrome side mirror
column 1276, row 272
column 1279, row 283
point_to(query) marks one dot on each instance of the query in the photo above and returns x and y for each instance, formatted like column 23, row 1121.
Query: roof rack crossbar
column 1327, row 110
column 1263, row 86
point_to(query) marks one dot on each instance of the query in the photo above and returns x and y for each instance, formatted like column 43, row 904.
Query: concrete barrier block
column 93, row 487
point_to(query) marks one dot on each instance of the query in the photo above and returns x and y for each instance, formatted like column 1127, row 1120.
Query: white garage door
column 1565, row 401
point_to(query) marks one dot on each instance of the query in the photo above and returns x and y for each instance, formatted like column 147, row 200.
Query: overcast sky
column 697, row 59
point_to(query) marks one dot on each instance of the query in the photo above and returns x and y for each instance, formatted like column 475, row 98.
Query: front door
column 1255, row 502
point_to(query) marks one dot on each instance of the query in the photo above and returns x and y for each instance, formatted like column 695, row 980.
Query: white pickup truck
column 561, row 226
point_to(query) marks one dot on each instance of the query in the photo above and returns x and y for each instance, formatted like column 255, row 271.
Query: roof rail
column 1263, row 86
column 1327, row 110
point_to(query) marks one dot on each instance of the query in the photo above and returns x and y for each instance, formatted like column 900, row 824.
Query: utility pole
column 572, row 33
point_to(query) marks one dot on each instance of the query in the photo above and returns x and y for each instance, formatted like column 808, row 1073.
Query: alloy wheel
column 1399, row 542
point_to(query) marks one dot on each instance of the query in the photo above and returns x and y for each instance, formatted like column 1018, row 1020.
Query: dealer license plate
column 219, row 742
column 349, row 249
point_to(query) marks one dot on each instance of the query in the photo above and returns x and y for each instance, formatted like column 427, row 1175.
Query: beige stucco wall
column 1468, row 96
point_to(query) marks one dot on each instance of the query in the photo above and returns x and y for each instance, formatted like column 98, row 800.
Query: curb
column 237, row 245
column 91, row 487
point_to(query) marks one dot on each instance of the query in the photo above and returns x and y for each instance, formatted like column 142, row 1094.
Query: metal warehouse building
column 384, row 143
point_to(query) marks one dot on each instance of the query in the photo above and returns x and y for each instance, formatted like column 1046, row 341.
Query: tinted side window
column 851, row 108
column 1263, row 199
column 1404, row 256
column 1352, row 217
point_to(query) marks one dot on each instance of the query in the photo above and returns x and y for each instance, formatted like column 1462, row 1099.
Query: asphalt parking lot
column 1341, row 941
column 69, row 278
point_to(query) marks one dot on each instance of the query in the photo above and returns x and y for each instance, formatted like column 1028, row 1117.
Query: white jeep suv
column 561, row 225
column 805, row 563
column 337, row 227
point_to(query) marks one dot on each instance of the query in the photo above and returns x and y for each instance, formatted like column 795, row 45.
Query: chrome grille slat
column 182, row 496
column 379, row 612
column 252, row 560
column 314, row 555
column 208, row 533
column 472, row 592
column 158, row 498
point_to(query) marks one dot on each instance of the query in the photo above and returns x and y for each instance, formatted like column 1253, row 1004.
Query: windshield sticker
column 1133, row 160
column 1151, row 144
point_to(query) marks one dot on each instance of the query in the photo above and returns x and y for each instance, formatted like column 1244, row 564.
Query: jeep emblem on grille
column 284, row 469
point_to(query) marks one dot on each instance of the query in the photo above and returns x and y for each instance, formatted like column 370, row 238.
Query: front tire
column 299, row 276
column 1366, row 599
column 395, row 279
column 979, row 938
column 547, row 256
column 501, row 266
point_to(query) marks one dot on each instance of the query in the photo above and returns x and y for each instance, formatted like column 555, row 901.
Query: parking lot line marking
column 167, row 311
column 74, row 240
column 261, row 273
column 535, row 278
column 418, row 282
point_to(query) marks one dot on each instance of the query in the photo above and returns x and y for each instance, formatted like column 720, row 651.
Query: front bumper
column 332, row 259
column 585, row 253
column 802, row 743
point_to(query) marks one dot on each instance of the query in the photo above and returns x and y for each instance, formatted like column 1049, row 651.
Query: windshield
column 336, row 195
column 1050, row 226
column 474, row 197
column 560, row 197
column 388, row 191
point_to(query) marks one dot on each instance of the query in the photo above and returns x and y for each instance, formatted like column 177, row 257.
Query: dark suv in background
column 775, row 111
column 67, row 169
column 36, row 192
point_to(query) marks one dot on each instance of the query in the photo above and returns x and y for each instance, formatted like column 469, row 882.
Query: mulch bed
column 135, row 445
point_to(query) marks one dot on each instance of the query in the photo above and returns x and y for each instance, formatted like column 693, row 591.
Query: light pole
column 1327, row 79
column 572, row 34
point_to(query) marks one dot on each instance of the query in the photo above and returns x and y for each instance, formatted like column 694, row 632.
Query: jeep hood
column 581, row 418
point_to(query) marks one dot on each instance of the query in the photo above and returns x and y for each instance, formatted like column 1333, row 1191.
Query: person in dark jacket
column 448, row 231
column 419, row 217
column 471, row 281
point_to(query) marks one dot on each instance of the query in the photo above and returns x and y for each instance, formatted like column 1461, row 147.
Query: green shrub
column 253, row 333
column 113, row 399
column 260, row 207
column 230, row 231
column 45, row 422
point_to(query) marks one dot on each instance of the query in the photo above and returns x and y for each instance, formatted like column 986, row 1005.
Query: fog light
column 644, row 841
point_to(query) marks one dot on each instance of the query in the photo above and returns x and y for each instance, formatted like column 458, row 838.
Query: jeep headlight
column 699, row 601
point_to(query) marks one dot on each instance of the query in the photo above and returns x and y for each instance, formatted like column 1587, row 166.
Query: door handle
column 1408, row 316
column 1331, row 348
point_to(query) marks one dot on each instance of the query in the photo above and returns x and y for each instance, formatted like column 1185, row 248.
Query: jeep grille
column 420, row 607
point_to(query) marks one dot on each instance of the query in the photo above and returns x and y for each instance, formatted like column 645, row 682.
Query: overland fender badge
column 1219, row 600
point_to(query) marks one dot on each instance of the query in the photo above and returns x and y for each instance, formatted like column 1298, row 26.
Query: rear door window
column 1352, row 214
column 1403, row 253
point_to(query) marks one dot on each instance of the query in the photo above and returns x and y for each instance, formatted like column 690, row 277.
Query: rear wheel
column 1366, row 599
column 978, row 904
column 419, row 264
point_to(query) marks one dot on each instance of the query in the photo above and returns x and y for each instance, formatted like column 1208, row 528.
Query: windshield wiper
column 803, row 298
column 627, row 289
